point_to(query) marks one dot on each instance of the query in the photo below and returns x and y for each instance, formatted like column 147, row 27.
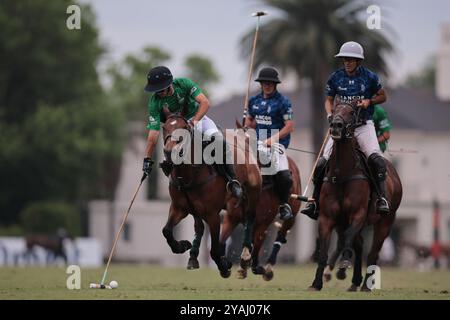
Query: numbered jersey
column 185, row 92
column 270, row 113
column 363, row 85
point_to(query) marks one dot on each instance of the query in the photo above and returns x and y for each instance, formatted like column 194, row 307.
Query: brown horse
column 53, row 244
column 198, row 189
column 348, row 201
column 266, row 211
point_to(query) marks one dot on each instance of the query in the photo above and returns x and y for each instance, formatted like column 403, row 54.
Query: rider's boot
column 283, row 185
column 312, row 207
column 378, row 167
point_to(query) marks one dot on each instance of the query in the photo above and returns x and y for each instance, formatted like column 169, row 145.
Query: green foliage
column 128, row 79
column 201, row 71
column 424, row 78
column 41, row 60
column 60, row 137
column 14, row 230
column 48, row 217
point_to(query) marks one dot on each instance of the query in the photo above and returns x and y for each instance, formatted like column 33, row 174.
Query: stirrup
column 237, row 189
column 311, row 210
column 382, row 206
column 283, row 214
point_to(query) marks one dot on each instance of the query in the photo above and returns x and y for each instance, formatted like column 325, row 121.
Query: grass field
column 154, row 282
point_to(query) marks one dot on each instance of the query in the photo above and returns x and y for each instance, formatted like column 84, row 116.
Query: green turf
column 154, row 282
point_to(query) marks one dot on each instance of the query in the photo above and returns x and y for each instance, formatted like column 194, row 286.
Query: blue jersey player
column 354, row 82
column 270, row 114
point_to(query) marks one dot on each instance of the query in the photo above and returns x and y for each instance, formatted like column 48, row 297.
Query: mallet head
column 259, row 13
column 99, row 286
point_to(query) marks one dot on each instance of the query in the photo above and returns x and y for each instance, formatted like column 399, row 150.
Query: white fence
column 85, row 252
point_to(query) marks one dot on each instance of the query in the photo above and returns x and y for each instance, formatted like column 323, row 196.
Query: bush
column 48, row 217
column 11, row 231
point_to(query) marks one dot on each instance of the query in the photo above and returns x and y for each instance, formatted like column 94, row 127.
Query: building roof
column 416, row 109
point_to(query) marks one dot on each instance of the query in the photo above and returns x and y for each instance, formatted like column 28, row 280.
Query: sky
column 214, row 28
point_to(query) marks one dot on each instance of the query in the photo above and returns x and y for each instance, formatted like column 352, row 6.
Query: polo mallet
column 258, row 14
column 303, row 197
column 102, row 285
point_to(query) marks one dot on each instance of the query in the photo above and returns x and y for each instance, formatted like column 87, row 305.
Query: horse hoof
column 193, row 264
column 312, row 288
column 225, row 274
column 365, row 289
column 353, row 288
column 245, row 264
column 258, row 270
column 181, row 247
column 268, row 274
column 340, row 274
column 225, row 267
column 241, row 273
column 327, row 277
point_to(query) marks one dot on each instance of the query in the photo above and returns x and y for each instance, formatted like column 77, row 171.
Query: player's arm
column 287, row 129
column 153, row 134
column 385, row 136
column 329, row 101
column 288, row 124
column 152, row 140
column 202, row 108
column 379, row 98
column 250, row 122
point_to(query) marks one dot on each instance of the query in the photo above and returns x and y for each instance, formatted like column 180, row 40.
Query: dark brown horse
column 266, row 211
column 198, row 189
column 53, row 244
column 348, row 201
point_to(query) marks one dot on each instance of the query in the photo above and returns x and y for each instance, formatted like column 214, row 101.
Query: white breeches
column 366, row 137
column 275, row 156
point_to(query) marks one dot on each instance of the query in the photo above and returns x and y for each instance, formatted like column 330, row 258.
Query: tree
column 128, row 79
column 305, row 39
column 201, row 71
column 41, row 60
column 59, row 138
column 424, row 78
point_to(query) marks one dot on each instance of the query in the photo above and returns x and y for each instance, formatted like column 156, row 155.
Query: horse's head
column 343, row 121
column 176, row 130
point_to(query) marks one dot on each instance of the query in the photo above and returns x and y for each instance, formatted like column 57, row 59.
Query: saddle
column 362, row 164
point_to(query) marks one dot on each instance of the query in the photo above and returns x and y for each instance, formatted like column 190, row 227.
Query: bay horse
column 348, row 200
column 53, row 244
column 266, row 211
column 199, row 190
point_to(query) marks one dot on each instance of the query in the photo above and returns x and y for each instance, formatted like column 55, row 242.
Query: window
column 126, row 235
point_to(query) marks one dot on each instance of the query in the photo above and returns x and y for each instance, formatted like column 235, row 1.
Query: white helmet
column 351, row 49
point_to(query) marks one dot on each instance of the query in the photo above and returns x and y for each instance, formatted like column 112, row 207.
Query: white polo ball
column 113, row 284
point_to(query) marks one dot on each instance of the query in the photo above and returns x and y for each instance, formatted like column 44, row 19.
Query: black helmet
column 268, row 74
column 158, row 78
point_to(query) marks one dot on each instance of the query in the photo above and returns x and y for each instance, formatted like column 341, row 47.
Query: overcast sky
column 213, row 29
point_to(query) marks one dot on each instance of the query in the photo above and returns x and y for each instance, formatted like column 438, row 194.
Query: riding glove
column 147, row 167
